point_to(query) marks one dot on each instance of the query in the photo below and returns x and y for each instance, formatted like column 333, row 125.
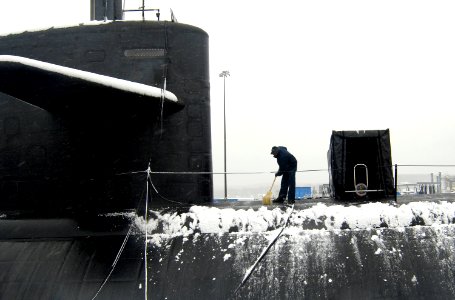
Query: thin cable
column 161, row 196
column 264, row 252
column 164, row 88
column 426, row 165
column 131, row 173
column 146, row 233
column 232, row 173
column 262, row 172
column 114, row 264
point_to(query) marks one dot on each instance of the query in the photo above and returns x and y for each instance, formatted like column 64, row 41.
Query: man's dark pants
column 288, row 183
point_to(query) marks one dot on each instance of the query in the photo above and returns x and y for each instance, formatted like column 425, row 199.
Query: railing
column 143, row 10
column 395, row 167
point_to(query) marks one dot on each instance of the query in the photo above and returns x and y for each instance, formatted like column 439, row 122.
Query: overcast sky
column 300, row 69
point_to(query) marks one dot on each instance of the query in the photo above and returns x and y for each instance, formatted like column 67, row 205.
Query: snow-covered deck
column 327, row 251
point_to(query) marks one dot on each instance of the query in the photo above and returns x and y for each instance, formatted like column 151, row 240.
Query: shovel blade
column 267, row 199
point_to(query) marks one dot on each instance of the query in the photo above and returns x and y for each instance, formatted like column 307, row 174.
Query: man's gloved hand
column 278, row 174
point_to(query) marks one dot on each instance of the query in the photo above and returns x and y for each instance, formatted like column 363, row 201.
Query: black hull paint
column 86, row 157
column 64, row 259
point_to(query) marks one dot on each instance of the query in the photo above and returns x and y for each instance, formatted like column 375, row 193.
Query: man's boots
column 280, row 199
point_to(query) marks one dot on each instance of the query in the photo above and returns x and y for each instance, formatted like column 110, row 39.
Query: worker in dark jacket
column 287, row 168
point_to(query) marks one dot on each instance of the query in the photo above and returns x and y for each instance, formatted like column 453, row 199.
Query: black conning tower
column 88, row 146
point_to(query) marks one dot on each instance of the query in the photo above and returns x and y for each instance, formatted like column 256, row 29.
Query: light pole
column 224, row 74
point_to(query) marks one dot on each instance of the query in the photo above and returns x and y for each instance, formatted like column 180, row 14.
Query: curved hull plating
column 76, row 146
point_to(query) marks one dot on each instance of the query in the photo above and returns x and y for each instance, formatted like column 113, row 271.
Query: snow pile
column 373, row 215
column 203, row 219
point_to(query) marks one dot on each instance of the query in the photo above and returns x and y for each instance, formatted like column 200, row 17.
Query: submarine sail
column 70, row 142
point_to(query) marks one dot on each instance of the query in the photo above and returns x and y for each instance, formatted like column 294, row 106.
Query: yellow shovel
column 267, row 199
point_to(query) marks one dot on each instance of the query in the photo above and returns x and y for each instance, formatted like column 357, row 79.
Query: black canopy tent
column 360, row 165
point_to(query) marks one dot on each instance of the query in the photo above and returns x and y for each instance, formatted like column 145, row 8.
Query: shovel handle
column 272, row 184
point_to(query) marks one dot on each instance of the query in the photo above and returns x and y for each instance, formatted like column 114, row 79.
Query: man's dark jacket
column 286, row 161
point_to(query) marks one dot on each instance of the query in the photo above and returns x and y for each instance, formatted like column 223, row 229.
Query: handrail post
column 396, row 180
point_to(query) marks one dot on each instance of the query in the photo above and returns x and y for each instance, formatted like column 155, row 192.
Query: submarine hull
column 326, row 251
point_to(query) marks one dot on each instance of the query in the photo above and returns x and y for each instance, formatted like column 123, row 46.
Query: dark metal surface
column 89, row 147
column 70, row 268
column 71, row 258
column 416, row 263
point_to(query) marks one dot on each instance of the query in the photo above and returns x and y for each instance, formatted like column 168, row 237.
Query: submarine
column 106, row 185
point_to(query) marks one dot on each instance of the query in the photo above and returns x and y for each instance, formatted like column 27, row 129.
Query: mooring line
column 114, row 264
column 264, row 252
column 162, row 197
column 146, row 234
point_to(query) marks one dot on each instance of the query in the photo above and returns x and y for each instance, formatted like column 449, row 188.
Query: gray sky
column 300, row 69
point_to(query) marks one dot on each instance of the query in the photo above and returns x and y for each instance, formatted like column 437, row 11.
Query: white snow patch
column 89, row 23
column 226, row 257
column 128, row 215
column 121, row 84
column 204, row 219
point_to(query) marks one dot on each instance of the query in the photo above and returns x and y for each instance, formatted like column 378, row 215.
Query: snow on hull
column 204, row 219
column 206, row 252
column 198, row 254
